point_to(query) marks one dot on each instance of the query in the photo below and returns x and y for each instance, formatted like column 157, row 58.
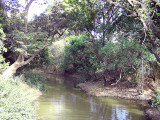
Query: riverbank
column 18, row 99
column 152, row 113
column 97, row 89
column 116, row 91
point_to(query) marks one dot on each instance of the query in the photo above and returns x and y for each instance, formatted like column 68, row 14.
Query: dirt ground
column 97, row 89
column 152, row 113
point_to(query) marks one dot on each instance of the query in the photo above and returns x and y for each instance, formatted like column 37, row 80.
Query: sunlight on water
column 62, row 102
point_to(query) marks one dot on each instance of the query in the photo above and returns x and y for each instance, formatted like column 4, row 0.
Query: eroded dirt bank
column 97, row 89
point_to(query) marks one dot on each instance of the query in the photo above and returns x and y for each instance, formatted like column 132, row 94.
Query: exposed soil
column 97, row 89
column 152, row 113
column 121, row 91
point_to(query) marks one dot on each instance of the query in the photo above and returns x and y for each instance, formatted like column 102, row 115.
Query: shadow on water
column 64, row 102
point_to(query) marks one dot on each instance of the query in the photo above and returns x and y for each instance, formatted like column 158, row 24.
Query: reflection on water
column 63, row 102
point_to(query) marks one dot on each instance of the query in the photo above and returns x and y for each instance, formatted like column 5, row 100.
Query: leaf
column 158, row 14
column 157, row 3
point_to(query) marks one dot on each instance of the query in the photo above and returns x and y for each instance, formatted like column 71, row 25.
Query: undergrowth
column 18, row 95
column 156, row 100
column 35, row 79
column 16, row 100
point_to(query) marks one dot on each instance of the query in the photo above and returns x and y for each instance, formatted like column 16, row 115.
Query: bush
column 3, row 64
column 125, row 57
column 156, row 101
column 80, row 54
column 122, row 55
column 37, row 80
column 16, row 100
column 43, row 58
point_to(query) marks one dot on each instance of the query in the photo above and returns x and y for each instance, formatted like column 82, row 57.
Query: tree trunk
column 11, row 70
column 105, row 82
column 141, row 10
column 28, row 4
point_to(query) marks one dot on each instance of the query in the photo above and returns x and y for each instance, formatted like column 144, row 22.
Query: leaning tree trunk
column 10, row 72
column 20, row 61
column 13, row 68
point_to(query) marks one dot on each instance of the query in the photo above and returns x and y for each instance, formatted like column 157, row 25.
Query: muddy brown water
column 64, row 102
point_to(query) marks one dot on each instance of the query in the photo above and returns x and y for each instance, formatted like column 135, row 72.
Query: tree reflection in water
column 62, row 102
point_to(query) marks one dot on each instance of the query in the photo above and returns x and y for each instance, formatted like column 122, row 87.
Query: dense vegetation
column 16, row 100
column 99, row 39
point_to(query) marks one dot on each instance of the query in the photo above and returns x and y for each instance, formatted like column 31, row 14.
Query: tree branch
column 120, row 6
column 156, row 55
column 46, row 45
column 36, row 53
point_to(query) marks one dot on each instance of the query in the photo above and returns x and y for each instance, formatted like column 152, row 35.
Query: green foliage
column 80, row 54
column 158, row 14
column 157, row 3
column 43, row 59
column 82, row 14
column 36, row 80
column 2, row 34
column 27, row 43
column 156, row 101
column 72, row 50
column 122, row 55
column 36, row 41
column 3, row 64
column 16, row 100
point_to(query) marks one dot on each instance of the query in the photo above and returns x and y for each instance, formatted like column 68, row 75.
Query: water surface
column 64, row 102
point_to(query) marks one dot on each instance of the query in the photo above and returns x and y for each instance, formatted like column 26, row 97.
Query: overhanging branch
column 120, row 6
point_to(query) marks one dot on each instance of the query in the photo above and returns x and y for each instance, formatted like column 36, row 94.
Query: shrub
column 43, row 60
column 156, row 101
column 16, row 100
column 125, row 56
column 37, row 80
column 3, row 64
column 122, row 55
column 80, row 54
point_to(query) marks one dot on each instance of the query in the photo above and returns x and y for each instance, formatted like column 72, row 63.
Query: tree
column 3, row 64
column 148, row 13
column 54, row 28
column 79, row 56
column 27, row 6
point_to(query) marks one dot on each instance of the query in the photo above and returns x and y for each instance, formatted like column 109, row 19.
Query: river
column 64, row 102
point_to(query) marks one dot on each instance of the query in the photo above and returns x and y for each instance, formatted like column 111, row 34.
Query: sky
column 35, row 8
